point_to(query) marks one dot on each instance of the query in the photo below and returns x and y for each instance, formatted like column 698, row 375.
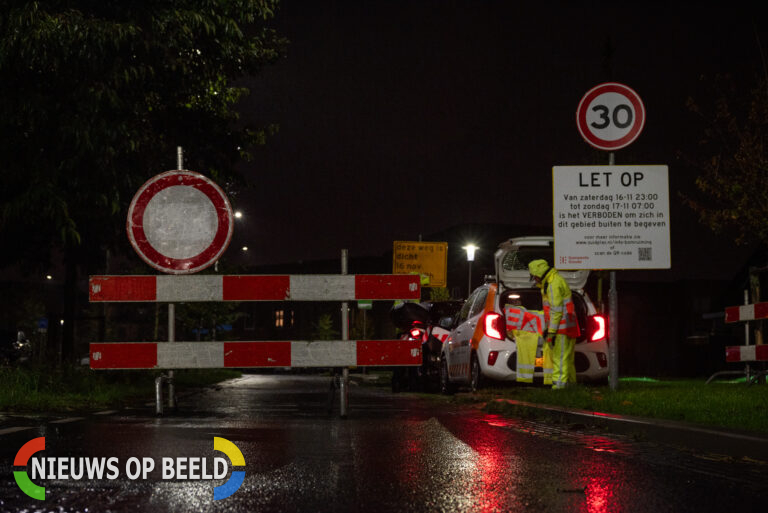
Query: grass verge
column 732, row 405
column 77, row 388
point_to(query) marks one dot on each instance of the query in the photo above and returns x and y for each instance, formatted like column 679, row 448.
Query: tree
column 323, row 329
column 95, row 97
column 732, row 160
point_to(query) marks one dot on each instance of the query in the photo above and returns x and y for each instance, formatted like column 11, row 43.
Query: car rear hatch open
column 513, row 256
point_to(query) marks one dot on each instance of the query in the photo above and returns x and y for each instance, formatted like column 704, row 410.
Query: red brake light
column 416, row 333
column 492, row 356
column 493, row 326
column 598, row 327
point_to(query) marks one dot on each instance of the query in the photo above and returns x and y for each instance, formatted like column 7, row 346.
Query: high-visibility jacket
column 559, row 310
column 526, row 326
column 521, row 319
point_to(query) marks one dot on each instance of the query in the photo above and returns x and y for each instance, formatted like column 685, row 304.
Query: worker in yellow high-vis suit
column 561, row 326
column 526, row 326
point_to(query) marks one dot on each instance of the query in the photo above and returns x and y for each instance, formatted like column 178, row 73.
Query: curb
column 733, row 443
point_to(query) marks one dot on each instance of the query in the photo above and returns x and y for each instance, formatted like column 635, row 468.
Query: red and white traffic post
column 746, row 353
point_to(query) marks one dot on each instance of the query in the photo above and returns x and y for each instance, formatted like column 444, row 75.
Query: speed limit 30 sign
column 610, row 116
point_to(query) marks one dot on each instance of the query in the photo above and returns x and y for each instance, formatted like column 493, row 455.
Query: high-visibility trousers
column 563, row 363
column 527, row 343
column 547, row 367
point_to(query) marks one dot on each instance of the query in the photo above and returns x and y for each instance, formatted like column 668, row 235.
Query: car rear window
column 519, row 259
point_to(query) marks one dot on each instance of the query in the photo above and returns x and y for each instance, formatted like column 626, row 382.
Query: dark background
column 401, row 119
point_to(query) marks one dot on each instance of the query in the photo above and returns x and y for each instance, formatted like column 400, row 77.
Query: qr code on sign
column 643, row 254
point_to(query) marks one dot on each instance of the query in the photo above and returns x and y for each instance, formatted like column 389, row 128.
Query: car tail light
column 492, row 356
column 597, row 328
column 415, row 333
column 494, row 326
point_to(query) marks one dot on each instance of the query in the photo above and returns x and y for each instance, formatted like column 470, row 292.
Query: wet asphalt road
column 393, row 453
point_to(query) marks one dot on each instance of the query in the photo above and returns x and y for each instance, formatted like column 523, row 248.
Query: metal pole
column 613, row 333
column 469, row 282
column 613, row 323
column 171, row 338
column 344, row 384
column 159, row 395
column 172, row 307
column 747, row 369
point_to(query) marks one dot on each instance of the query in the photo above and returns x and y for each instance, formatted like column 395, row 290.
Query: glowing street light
column 470, row 249
column 238, row 214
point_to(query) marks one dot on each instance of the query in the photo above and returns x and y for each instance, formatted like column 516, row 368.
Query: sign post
column 610, row 116
column 179, row 222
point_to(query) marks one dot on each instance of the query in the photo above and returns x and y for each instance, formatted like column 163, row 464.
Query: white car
column 478, row 348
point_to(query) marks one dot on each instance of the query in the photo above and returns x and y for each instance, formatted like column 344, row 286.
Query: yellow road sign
column 425, row 258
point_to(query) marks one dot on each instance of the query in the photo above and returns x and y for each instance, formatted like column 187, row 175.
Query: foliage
column 362, row 327
column 733, row 162
column 206, row 316
column 95, row 97
column 731, row 405
column 439, row 294
column 77, row 387
column 323, row 329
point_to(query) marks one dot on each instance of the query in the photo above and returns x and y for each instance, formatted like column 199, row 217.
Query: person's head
column 538, row 268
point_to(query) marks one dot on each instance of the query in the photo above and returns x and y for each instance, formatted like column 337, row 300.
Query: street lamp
column 470, row 249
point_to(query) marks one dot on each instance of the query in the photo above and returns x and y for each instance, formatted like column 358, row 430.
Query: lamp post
column 470, row 249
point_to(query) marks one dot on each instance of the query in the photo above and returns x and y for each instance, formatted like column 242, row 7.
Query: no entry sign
column 610, row 116
column 180, row 222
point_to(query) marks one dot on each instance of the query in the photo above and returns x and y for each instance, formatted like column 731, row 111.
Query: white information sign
column 611, row 217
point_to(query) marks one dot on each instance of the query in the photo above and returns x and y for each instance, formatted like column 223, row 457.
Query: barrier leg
column 171, row 391
column 159, row 395
column 344, row 393
column 332, row 391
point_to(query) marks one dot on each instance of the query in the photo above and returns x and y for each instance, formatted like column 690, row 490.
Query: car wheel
column 476, row 375
column 446, row 387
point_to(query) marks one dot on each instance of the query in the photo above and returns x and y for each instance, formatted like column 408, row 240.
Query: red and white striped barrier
column 752, row 353
column 752, row 312
column 189, row 288
column 747, row 353
column 217, row 355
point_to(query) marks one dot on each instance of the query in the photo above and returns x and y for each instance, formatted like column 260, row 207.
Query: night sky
column 400, row 119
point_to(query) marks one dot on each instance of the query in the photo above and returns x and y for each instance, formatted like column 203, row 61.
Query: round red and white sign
column 180, row 222
column 610, row 116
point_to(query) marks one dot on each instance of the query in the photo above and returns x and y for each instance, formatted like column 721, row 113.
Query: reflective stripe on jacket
column 520, row 319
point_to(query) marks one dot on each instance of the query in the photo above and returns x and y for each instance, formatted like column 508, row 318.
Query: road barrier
column 745, row 353
column 257, row 354
column 191, row 288
column 254, row 354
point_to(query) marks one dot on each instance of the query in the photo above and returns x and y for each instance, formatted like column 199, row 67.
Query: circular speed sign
column 610, row 116
column 180, row 222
